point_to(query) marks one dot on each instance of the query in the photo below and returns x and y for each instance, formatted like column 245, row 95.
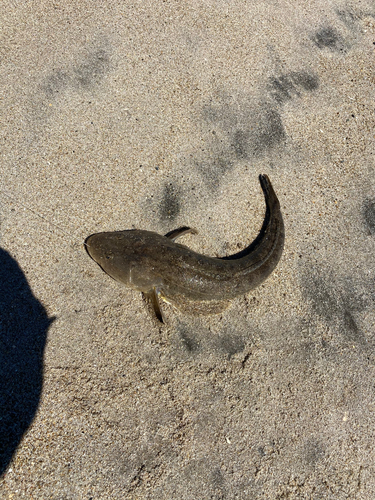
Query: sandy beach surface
column 159, row 114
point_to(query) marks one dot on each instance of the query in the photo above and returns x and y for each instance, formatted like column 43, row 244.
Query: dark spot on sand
column 336, row 300
column 369, row 215
column 86, row 74
column 282, row 88
column 56, row 82
column 214, row 169
column 170, row 205
column 261, row 451
column 313, row 451
column 328, row 37
column 230, row 344
column 351, row 331
column 189, row 343
column 93, row 68
column 268, row 131
column 324, row 301
column 217, row 479
column 238, row 128
column 348, row 17
column 240, row 144
column 307, row 81
column 264, row 131
column 285, row 87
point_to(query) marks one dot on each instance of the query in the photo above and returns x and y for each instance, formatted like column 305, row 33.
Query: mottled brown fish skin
column 144, row 260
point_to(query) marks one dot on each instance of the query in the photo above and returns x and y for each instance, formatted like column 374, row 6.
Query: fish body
column 159, row 267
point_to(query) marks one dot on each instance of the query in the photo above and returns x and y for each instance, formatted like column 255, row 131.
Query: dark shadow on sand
column 23, row 331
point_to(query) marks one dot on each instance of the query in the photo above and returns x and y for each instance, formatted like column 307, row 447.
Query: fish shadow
column 23, row 331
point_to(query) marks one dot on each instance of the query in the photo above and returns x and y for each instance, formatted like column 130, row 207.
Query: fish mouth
column 87, row 246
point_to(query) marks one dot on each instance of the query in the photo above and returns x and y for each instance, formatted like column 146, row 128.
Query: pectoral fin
column 176, row 233
column 152, row 297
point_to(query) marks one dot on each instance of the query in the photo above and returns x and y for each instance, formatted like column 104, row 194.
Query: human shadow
column 23, row 330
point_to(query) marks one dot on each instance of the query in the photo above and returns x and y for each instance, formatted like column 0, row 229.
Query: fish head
column 124, row 255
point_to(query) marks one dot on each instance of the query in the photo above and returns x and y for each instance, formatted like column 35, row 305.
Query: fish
column 160, row 268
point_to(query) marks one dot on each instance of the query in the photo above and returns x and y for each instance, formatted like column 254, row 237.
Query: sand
column 154, row 115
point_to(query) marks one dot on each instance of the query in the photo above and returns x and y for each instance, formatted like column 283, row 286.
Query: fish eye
column 109, row 256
